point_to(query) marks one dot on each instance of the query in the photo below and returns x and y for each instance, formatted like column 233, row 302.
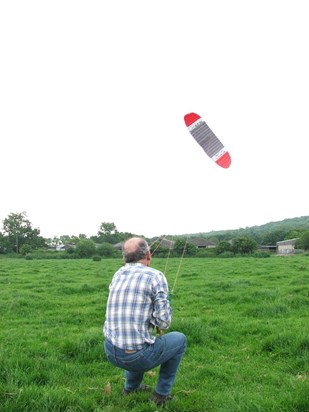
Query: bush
column 85, row 248
column 223, row 247
column 25, row 249
column 205, row 252
column 106, row 250
column 96, row 258
column 226, row 255
column 244, row 245
column 45, row 254
column 261, row 254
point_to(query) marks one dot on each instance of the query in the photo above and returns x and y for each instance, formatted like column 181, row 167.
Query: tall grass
column 246, row 321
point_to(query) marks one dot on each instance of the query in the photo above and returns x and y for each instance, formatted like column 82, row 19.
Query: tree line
column 18, row 237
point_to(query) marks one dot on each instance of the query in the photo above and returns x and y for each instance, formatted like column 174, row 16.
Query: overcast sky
column 92, row 100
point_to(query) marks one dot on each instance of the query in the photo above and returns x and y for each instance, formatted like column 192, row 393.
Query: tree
column 223, row 247
column 4, row 245
column 303, row 241
column 244, row 245
column 191, row 249
column 108, row 233
column 85, row 248
column 106, row 250
column 159, row 251
column 53, row 242
column 274, row 236
column 18, row 231
column 107, row 228
column 82, row 236
column 25, row 249
column 182, row 247
column 292, row 234
column 66, row 240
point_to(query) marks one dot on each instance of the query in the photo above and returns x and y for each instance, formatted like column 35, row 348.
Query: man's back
column 137, row 295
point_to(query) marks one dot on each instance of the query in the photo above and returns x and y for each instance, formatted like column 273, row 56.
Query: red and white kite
column 207, row 140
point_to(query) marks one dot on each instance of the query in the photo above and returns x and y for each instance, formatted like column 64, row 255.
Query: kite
column 207, row 140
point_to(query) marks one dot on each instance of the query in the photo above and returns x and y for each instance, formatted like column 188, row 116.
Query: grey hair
column 138, row 254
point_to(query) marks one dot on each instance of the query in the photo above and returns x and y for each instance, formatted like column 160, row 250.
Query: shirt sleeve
column 162, row 312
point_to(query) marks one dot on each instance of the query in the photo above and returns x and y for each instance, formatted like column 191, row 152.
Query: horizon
column 166, row 234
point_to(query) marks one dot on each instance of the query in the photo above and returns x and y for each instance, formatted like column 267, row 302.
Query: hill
column 261, row 233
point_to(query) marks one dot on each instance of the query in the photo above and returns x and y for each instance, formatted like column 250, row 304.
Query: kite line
column 160, row 240
column 179, row 266
column 158, row 330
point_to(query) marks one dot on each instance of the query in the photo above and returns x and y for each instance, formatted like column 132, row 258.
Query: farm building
column 286, row 247
column 201, row 243
column 267, row 248
column 166, row 243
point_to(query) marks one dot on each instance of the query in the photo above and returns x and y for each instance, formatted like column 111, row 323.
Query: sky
column 92, row 100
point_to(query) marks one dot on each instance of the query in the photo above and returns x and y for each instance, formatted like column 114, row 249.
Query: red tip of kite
column 191, row 118
column 225, row 160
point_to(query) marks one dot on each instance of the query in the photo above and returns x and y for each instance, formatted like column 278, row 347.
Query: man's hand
column 159, row 331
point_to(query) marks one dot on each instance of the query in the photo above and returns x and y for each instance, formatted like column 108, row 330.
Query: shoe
column 141, row 388
column 160, row 399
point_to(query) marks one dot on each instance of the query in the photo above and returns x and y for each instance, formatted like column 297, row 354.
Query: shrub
column 205, row 252
column 226, row 255
column 85, row 248
column 261, row 254
column 106, row 250
column 45, row 254
column 24, row 249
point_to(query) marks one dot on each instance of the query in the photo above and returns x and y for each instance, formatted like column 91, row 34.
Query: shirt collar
column 134, row 264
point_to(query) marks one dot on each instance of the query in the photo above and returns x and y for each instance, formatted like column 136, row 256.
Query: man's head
column 136, row 249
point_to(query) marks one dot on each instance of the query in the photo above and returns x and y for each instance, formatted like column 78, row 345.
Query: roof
column 201, row 242
column 287, row 242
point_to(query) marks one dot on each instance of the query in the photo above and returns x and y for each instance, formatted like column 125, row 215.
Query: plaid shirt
column 137, row 302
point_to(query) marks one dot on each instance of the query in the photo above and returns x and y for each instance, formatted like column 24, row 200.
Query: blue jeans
column 167, row 351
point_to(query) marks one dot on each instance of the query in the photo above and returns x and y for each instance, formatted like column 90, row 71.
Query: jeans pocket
column 135, row 363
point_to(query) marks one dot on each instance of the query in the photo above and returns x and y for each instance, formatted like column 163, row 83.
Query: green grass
column 246, row 321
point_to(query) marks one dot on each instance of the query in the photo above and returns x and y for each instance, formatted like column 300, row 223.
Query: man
column 137, row 305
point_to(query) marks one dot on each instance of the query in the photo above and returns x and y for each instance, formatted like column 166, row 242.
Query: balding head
column 135, row 250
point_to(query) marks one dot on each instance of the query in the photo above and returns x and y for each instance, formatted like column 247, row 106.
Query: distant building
column 285, row 247
column 267, row 248
column 119, row 245
column 201, row 243
column 166, row 243
column 62, row 248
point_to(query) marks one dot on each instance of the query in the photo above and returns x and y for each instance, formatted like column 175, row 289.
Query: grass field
column 246, row 320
